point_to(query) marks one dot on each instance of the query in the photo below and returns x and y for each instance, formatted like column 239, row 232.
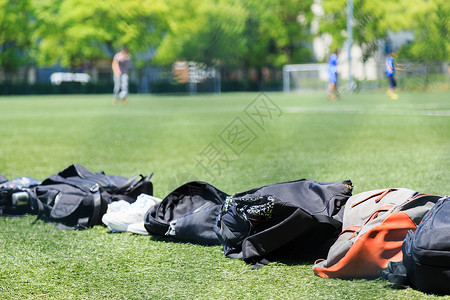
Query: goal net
column 305, row 77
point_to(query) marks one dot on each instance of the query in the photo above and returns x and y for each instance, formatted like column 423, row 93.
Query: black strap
column 60, row 226
column 396, row 273
column 86, row 222
column 97, row 206
column 263, row 262
column 38, row 207
column 130, row 182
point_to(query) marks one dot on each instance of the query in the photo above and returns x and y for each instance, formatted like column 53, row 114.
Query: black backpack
column 296, row 219
column 78, row 198
column 426, row 254
column 187, row 214
column 14, row 199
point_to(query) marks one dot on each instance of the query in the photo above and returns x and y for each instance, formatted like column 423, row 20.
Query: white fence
column 58, row 77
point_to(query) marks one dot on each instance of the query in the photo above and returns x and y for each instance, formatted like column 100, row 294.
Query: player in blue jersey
column 332, row 75
column 390, row 68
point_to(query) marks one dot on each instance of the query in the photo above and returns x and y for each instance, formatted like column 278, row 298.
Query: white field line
column 439, row 113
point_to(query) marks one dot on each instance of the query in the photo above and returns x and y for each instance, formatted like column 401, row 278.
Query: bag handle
column 350, row 229
column 133, row 181
column 380, row 195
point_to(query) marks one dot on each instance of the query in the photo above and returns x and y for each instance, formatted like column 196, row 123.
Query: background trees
column 15, row 33
column 74, row 32
column 429, row 20
column 231, row 33
column 222, row 32
column 210, row 32
column 277, row 32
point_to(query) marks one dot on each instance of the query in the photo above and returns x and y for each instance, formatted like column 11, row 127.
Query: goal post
column 305, row 77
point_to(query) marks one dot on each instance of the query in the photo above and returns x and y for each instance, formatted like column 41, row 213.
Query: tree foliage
column 73, row 32
column 275, row 34
column 431, row 23
column 15, row 33
column 250, row 33
column 371, row 21
column 254, row 32
column 428, row 19
column 205, row 31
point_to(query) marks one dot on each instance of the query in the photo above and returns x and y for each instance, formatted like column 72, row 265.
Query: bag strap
column 380, row 195
column 41, row 209
column 132, row 181
column 396, row 273
column 263, row 262
column 86, row 222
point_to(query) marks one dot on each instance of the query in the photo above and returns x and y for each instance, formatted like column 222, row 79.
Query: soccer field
column 233, row 141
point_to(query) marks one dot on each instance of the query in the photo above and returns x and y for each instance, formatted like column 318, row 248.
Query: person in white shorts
column 120, row 71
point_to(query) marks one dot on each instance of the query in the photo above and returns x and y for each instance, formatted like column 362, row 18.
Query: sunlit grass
column 368, row 138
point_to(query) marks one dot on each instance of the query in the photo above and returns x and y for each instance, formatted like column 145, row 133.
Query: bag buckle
column 95, row 188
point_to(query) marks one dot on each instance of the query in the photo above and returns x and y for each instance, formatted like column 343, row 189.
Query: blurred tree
column 372, row 19
column 15, row 33
column 204, row 31
column 250, row 33
column 277, row 32
column 430, row 21
column 74, row 32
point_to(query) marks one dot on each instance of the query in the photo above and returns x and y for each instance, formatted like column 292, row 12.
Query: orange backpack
column 374, row 226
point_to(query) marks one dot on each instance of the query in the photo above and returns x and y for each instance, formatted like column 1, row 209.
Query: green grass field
column 233, row 141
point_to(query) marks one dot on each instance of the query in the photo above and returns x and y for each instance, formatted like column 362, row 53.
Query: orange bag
column 375, row 224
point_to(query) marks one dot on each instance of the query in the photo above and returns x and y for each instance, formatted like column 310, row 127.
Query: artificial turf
column 235, row 141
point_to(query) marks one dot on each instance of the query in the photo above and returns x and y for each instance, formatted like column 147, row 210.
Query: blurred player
column 120, row 70
column 332, row 74
column 390, row 68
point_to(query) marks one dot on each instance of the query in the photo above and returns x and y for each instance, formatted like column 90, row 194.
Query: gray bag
column 374, row 226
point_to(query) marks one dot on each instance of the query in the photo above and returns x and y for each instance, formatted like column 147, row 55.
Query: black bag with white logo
column 298, row 219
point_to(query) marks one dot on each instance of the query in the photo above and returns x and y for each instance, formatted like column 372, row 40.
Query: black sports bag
column 78, row 197
column 298, row 219
column 187, row 214
column 426, row 254
column 14, row 198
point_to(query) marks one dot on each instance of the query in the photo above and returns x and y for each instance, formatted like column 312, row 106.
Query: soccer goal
column 305, row 77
